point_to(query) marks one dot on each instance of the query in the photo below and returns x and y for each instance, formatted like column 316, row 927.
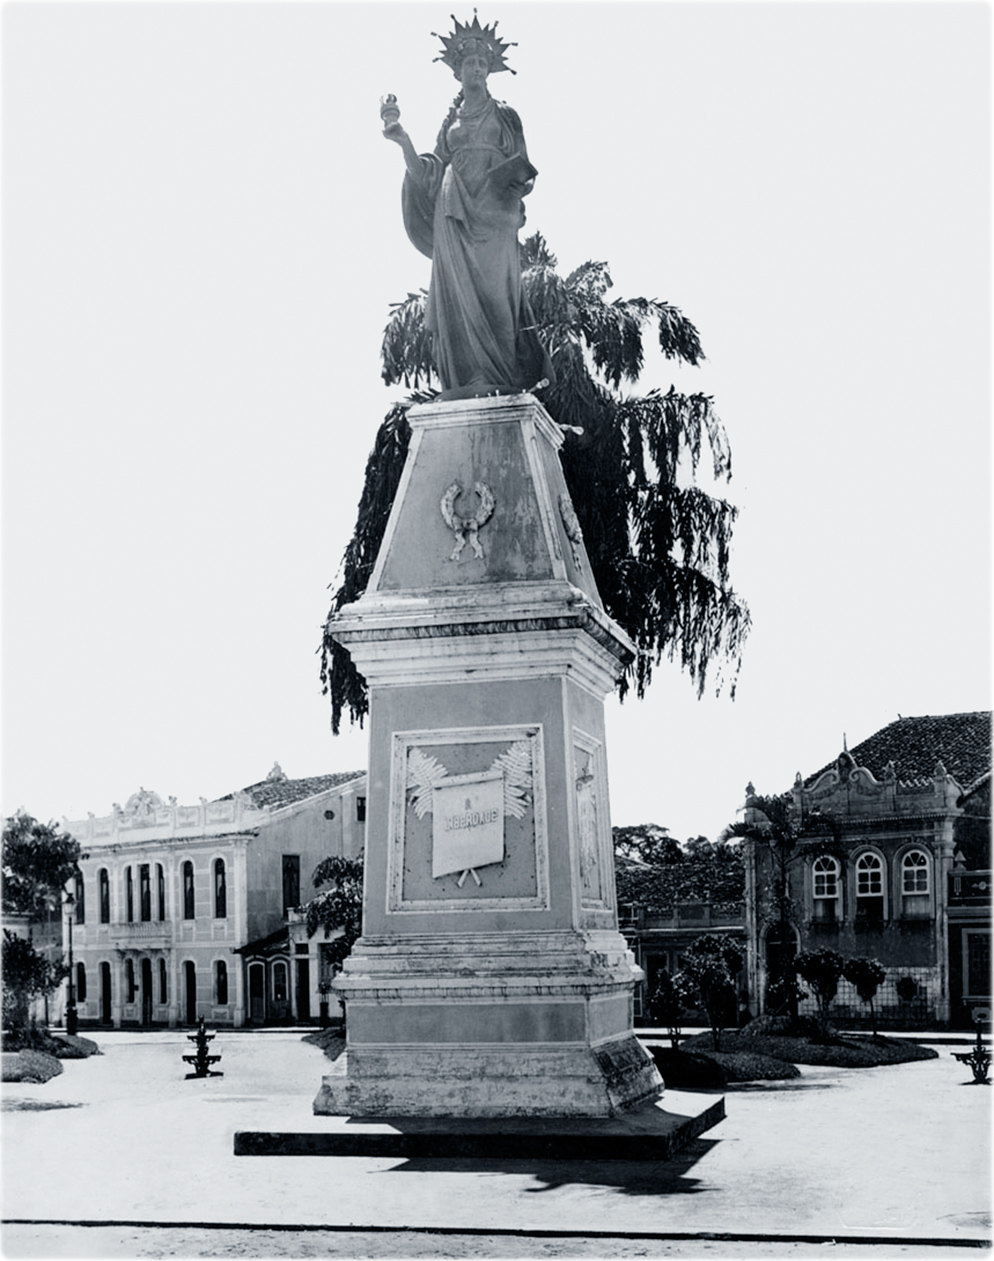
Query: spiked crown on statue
column 473, row 38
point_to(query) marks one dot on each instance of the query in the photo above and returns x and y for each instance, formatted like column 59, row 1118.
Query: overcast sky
column 201, row 240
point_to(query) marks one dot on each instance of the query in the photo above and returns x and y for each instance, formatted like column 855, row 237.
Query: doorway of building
column 257, row 993
column 190, row 976
column 146, row 992
column 303, row 990
column 105, row 1016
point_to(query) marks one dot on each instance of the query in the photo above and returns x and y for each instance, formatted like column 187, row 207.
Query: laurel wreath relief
column 467, row 528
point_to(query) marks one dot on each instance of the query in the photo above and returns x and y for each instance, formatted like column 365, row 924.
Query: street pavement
column 893, row 1160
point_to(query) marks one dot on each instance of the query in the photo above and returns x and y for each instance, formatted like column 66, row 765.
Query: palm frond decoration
column 423, row 774
column 659, row 548
column 516, row 765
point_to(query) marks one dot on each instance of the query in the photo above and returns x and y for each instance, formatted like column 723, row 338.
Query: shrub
column 668, row 1004
column 26, row 975
column 712, row 964
column 867, row 975
column 822, row 969
column 30, row 1066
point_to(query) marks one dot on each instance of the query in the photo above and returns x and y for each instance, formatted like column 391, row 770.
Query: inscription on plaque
column 468, row 824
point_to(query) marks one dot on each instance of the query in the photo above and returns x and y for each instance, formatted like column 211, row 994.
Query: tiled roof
column 276, row 792
column 961, row 742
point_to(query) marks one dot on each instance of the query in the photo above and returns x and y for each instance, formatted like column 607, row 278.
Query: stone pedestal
column 491, row 979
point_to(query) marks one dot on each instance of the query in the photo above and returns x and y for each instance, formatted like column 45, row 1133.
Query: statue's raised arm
column 463, row 208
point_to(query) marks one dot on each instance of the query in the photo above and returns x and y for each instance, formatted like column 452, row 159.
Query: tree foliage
column 866, row 975
column 38, row 859
column 26, row 975
column 822, row 969
column 669, row 1001
column 337, row 909
column 712, row 964
column 658, row 544
column 646, row 842
column 654, row 871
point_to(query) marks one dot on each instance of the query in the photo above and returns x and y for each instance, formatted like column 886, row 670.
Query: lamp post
column 71, row 1017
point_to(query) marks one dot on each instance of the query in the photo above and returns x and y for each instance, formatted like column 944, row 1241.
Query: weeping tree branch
column 659, row 550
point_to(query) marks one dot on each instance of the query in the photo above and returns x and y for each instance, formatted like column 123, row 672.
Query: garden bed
column 62, row 1046
column 704, row 1069
column 29, row 1066
column 330, row 1041
column 835, row 1051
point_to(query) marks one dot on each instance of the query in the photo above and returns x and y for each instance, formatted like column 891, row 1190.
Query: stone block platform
column 650, row 1133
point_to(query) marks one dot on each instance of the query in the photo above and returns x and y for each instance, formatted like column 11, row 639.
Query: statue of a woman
column 462, row 208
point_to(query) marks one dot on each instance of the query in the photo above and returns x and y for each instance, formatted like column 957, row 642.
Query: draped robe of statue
column 464, row 216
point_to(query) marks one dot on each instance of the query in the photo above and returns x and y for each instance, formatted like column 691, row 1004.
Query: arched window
column 163, row 988
column 826, row 888
column 221, row 983
column 915, row 884
column 129, row 979
column 145, row 892
column 869, row 887
column 79, row 908
column 80, row 982
column 129, row 894
column 160, row 886
column 103, row 883
column 220, row 891
column 189, row 911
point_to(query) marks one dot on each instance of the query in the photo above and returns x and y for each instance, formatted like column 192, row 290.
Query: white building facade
column 171, row 900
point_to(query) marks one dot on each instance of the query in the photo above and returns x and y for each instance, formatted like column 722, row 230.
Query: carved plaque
column 468, row 822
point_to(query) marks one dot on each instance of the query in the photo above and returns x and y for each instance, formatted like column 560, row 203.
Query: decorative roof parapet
column 145, row 816
column 848, row 789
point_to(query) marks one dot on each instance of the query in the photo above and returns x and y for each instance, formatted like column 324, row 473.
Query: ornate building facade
column 178, row 908
column 901, row 872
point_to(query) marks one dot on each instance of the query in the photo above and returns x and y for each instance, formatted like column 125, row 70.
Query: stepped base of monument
column 477, row 1081
column 650, row 1133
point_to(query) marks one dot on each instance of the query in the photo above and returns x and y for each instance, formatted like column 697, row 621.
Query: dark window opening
column 279, row 982
column 163, row 988
column 222, row 984
column 220, row 890
column 129, row 980
column 129, row 894
column 189, row 907
column 291, row 882
column 145, row 892
column 360, row 809
column 81, row 982
column 160, row 881
column 104, row 884
column 79, row 908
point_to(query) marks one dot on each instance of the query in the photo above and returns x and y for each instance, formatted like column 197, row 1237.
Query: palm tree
column 658, row 544
column 783, row 840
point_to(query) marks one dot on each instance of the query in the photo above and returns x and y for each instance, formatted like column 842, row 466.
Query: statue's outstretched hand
column 396, row 133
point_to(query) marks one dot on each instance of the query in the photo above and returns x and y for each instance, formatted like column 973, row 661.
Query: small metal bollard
column 979, row 1060
column 202, row 1061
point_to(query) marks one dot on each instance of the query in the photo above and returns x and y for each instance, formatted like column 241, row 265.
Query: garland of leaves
column 659, row 550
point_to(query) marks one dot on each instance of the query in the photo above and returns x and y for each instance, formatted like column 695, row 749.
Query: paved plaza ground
column 137, row 1161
